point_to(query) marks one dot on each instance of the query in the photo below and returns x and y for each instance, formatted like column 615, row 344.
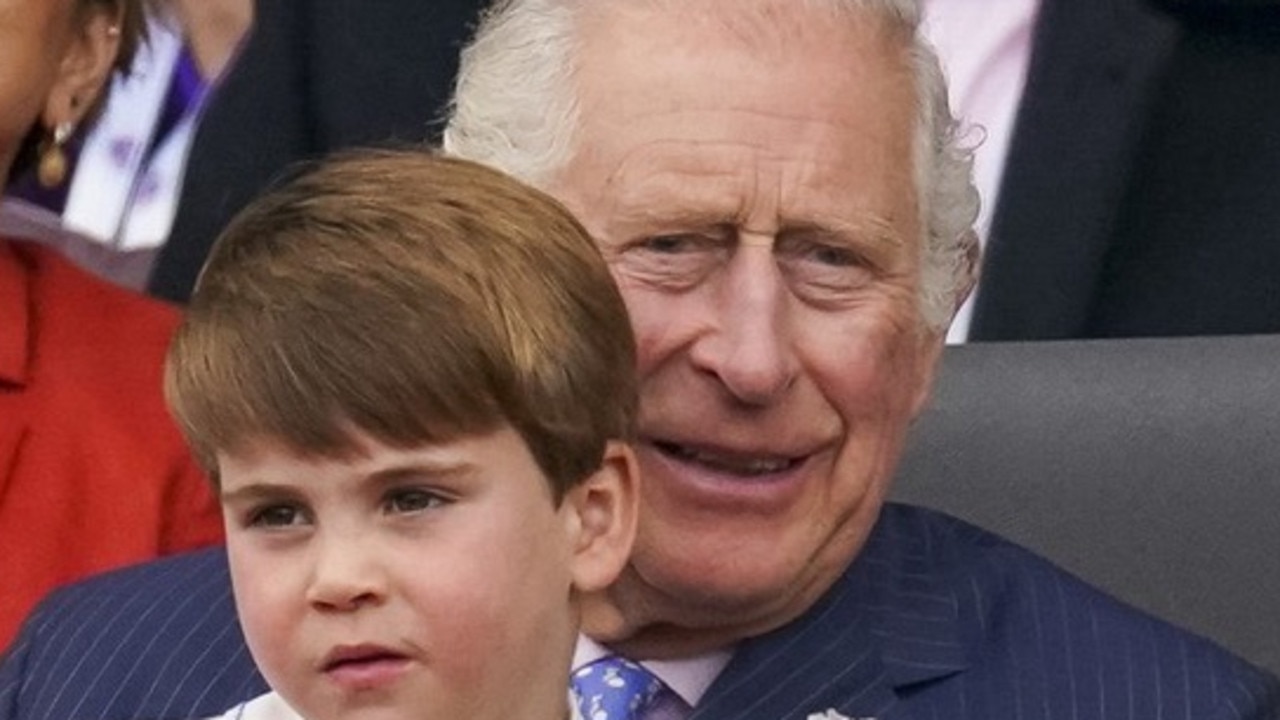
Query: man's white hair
column 515, row 109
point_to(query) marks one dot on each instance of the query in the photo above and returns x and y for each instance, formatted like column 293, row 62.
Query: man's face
column 750, row 184
column 431, row 582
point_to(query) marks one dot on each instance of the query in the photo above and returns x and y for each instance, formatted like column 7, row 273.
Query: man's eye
column 672, row 243
column 824, row 272
column 413, row 501
column 835, row 256
column 674, row 261
column 273, row 516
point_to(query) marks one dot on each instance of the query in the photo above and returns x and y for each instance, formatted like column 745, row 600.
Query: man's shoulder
column 991, row 580
column 1052, row 636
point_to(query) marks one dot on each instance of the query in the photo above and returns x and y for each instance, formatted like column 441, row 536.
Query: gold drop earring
column 52, row 168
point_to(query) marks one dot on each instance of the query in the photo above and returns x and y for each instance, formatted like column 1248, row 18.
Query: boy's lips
column 364, row 666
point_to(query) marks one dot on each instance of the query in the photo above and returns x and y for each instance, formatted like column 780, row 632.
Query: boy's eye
column 272, row 516
column 412, row 500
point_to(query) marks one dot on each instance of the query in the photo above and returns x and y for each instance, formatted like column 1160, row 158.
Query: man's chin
column 665, row 614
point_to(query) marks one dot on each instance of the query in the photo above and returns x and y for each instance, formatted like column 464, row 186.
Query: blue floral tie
column 614, row 688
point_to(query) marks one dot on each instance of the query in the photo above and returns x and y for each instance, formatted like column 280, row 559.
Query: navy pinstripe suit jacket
column 936, row 619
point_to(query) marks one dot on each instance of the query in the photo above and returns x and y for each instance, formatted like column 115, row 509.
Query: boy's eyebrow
column 385, row 476
column 254, row 491
column 430, row 469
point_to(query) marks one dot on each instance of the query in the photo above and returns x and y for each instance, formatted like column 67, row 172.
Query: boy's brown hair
column 412, row 297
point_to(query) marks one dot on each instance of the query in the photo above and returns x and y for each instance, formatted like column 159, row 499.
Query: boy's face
column 433, row 582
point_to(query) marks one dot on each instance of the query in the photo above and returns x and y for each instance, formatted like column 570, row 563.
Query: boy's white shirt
column 273, row 707
column 688, row 678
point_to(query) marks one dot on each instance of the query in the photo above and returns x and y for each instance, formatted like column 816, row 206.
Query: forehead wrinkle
column 759, row 211
column 646, row 187
column 664, row 200
column 744, row 164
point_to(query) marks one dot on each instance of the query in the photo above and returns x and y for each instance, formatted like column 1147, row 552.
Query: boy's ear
column 85, row 68
column 603, row 510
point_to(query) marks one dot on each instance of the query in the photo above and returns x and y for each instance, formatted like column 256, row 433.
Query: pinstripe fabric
column 940, row 620
column 935, row 620
column 158, row 640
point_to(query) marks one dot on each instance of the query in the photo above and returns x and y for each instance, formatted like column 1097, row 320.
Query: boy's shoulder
column 269, row 706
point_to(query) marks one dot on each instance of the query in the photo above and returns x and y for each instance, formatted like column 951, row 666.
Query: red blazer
column 93, row 472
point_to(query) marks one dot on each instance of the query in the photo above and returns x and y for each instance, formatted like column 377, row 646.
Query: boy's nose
column 344, row 578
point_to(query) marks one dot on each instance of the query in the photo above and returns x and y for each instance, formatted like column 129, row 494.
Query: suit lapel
column 884, row 625
column 1094, row 68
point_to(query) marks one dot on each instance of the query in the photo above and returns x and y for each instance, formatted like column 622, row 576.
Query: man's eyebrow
column 659, row 216
column 665, row 215
column 869, row 228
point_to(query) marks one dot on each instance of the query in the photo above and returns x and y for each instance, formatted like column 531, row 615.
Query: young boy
column 411, row 379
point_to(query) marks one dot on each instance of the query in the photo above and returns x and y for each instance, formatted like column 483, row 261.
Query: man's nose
column 750, row 348
column 345, row 575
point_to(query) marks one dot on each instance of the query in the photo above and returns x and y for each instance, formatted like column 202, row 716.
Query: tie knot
column 614, row 688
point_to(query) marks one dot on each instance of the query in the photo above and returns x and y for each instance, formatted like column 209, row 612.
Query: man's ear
column 933, row 342
column 85, row 67
column 603, row 510
column 971, row 270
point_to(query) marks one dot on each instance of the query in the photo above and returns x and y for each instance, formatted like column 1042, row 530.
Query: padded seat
column 1151, row 468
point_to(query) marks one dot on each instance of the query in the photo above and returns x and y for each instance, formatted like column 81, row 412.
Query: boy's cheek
column 261, row 587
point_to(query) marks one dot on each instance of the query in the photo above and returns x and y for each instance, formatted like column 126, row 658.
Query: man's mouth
column 728, row 462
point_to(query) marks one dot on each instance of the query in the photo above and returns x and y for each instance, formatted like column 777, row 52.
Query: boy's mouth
column 364, row 666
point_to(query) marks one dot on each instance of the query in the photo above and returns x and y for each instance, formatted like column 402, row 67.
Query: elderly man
column 760, row 177
column 778, row 188
column 779, row 191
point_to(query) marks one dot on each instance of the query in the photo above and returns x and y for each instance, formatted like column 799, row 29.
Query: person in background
column 314, row 76
column 1127, row 164
column 93, row 472
column 984, row 47
column 114, row 208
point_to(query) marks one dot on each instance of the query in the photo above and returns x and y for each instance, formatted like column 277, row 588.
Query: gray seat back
column 1151, row 468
